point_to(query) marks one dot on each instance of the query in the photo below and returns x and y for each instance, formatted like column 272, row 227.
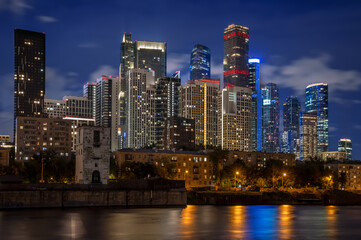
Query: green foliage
column 136, row 170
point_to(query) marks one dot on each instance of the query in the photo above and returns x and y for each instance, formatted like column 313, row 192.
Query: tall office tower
column 308, row 135
column 78, row 107
column 166, row 105
column 151, row 56
column 291, row 109
column 90, row 92
column 140, row 109
column 29, row 74
column 235, row 119
column 179, row 133
column 316, row 101
column 270, row 118
column 198, row 101
column 235, row 60
column 54, row 108
column 345, row 145
column 255, row 85
column 200, row 65
column 107, row 107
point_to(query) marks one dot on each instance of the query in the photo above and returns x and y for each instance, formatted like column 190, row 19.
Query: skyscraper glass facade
column 235, row 62
column 291, row 109
column 200, row 65
column 345, row 145
column 316, row 101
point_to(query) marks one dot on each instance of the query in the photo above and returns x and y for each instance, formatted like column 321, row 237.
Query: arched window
column 96, row 177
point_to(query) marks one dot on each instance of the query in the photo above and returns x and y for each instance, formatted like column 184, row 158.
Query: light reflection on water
column 193, row 222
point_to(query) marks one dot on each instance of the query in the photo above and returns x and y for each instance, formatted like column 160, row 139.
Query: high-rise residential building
column 127, row 56
column 345, row 145
column 107, row 107
column 255, row 85
column 55, row 108
column 179, row 133
column 166, row 105
column 78, row 107
column 316, row 101
column 235, row 60
column 151, row 56
column 77, row 122
column 200, row 65
column 291, row 109
column 198, row 101
column 140, row 127
column 235, row 119
column 308, row 135
column 270, row 118
column 89, row 92
column 29, row 74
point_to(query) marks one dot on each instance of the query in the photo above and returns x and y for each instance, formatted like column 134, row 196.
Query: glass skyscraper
column 345, row 145
column 316, row 101
column 235, row 62
column 270, row 118
column 200, row 65
column 255, row 85
column 291, row 109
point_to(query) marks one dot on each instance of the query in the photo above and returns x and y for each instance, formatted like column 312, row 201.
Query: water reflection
column 331, row 220
column 286, row 224
column 238, row 224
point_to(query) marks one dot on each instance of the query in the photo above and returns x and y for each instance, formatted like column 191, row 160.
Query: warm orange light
column 284, row 174
column 186, row 171
column 237, row 172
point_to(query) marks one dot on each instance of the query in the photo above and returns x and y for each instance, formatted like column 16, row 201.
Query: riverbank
column 330, row 197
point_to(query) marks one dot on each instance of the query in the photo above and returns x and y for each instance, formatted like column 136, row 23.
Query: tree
column 218, row 157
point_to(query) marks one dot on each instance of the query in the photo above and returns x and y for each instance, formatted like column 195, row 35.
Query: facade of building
column 259, row 159
column 270, row 118
column 4, row 138
column 179, row 133
column 92, row 155
column 291, row 109
column 90, row 93
column 151, row 56
column 316, row 101
column 55, row 108
column 29, row 74
column 107, row 107
column 308, row 136
column 166, row 105
column 350, row 171
column 235, row 119
column 200, row 65
column 78, row 107
column 34, row 135
column 345, row 145
column 255, row 84
column 198, row 101
column 4, row 156
column 140, row 129
column 235, row 62
column 193, row 167
column 77, row 122
column 328, row 156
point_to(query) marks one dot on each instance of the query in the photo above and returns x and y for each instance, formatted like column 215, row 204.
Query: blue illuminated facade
column 270, row 118
column 200, row 65
column 291, row 109
column 316, row 101
column 255, row 84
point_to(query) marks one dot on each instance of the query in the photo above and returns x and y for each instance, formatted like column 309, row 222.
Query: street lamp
column 237, row 173
column 284, row 175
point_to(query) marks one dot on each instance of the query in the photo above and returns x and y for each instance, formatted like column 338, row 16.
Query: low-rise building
column 259, row 158
column 179, row 133
column 335, row 155
column 351, row 172
column 34, row 135
column 92, row 155
column 4, row 156
column 193, row 167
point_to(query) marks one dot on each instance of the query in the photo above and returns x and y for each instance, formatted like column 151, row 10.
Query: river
column 193, row 222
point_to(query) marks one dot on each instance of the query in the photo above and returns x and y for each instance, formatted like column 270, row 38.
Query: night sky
column 299, row 42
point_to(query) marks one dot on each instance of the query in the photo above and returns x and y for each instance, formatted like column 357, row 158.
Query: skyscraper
column 29, row 74
column 166, row 105
column 235, row 61
column 316, row 101
column 235, row 119
column 200, row 65
column 89, row 92
column 140, row 128
column 255, row 85
column 151, row 56
column 270, row 118
column 308, row 135
column 198, row 101
column 291, row 109
column 345, row 145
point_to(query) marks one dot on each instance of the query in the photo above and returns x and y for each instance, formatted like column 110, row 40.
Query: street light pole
column 284, row 175
column 235, row 177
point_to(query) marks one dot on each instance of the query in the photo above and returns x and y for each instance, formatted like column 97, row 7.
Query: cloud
column 217, row 71
column 357, row 126
column 103, row 70
column 87, row 45
column 356, row 101
column 307, row 70
column 15, row 6
column 72, row 74
column 178, row 61
column 58, row 85
column 47, row 19
column 332, row 129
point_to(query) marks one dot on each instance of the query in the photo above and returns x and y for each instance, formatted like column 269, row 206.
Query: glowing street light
column 284, row 175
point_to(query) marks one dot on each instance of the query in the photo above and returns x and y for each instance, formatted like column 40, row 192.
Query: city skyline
column 66, row 78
